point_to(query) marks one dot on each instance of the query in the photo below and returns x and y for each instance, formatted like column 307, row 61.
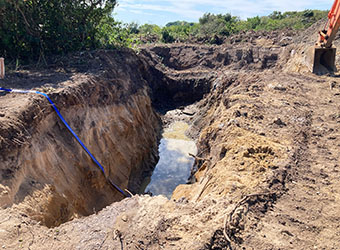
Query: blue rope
column 69, row 128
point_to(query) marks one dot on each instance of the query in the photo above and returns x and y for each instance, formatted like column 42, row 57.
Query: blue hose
column 70, row 129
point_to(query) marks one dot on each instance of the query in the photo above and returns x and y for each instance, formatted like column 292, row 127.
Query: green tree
column 30, row 29
column 276, row 15
column 167, row 37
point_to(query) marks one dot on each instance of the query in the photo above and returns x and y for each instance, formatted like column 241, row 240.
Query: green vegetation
column 33, row 29
column 214, row 28
column 292, row 19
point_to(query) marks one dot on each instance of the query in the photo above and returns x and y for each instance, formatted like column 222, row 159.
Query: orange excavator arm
column 324, row 52
column 327, row 35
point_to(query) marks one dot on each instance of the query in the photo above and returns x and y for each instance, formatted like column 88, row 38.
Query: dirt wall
column 47, row 175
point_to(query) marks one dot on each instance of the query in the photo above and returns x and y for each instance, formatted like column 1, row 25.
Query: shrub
column 32, row 29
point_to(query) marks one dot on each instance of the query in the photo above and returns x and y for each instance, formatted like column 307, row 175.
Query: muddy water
column 175, row 163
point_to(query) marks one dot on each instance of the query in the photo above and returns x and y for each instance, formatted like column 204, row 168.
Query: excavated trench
column 117, row 103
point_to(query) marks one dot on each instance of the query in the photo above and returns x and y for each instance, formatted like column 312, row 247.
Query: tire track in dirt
column 307, row 216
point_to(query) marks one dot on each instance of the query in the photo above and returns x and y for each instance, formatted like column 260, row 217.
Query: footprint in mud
column 262, row 152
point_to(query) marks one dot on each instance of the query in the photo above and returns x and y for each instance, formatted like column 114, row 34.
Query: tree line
column 33, row 29
column 30, row 30
column 212, row 28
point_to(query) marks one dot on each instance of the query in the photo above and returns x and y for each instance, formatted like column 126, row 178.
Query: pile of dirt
column 299, row 56
column 280, row 38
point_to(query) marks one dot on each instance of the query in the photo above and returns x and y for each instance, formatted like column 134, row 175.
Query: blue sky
column 163, row 11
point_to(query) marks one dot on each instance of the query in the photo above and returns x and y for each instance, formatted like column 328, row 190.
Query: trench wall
column 47, row 175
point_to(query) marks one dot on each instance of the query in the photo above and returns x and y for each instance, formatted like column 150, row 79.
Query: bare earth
column 267, row 172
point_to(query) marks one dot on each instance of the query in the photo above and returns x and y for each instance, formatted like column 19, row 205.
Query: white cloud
column 186, row 12
column 193, row 9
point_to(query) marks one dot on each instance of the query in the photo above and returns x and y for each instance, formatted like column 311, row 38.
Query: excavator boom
column 324, row 52
column 327, row 35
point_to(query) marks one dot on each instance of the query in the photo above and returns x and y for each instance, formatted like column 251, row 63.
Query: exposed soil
column 267, row 172
column 45, row 174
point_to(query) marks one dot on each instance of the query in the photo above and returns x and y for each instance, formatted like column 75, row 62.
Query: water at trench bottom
column 174, row 163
